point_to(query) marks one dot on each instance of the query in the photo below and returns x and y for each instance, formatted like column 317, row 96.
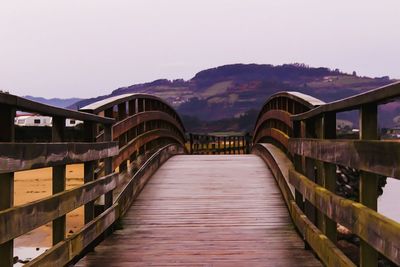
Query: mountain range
column 229, row 97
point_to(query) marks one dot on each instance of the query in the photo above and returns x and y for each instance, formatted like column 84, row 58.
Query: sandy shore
column 36, row 184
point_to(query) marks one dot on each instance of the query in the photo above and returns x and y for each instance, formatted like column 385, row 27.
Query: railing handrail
column 24, row 104
column 304, row 99
column 381, row 95
column 110, row 102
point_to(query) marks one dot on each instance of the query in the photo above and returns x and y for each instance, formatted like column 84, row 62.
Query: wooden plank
column 382, row 233
column 214, row 210
column 25, row 156
column 380, row 95
column 379, row 157
column 13, row 222
column 36, row 107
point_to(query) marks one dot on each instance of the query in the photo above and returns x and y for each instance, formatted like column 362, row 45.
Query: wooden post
column 122, row 139
column 191, row 144
column 229, row 144
column 368, row 181
column 213, row 149
column 132, row 132
column 205, row 144
column 108, row 198
column 297, row 164
column 247, row 141
column 59, row 179
column 326, row 173
column 224, row 145
column 89, row 128
column 7, row 134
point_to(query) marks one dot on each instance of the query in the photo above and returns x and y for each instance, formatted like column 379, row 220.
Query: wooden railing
column 219, row 144
column 144, row 123
column 15, row 155
column 140, row 129
column 303, row 153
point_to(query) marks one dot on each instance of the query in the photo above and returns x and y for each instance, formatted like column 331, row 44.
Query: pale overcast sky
column 85, row 48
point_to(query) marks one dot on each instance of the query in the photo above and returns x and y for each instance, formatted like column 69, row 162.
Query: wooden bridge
column 154, row 195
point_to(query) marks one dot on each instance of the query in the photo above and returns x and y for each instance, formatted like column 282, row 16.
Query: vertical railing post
column 108, row 198
column 205, row 144
column 89, row 135
column 59, row 179
column 213, row 145
column 309, row 169
column 326, row 172
column 230, row 144
column 247, row 141
column 122, row 139
column 297, row 164
column 191, row 144
column 7, row 134
column 224, row 140
column 368, row 181
column 132, row 107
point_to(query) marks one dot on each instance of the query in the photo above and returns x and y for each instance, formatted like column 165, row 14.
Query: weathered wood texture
column 134, row 120
column 281, row 166
column 382, row 233
column 380, row 157
column 25, row 156
column 24, row 104
column 70, row 249
column 274, row 121
column 380, row 95
column 206, row 210
column 212, row 144
column 13, row 222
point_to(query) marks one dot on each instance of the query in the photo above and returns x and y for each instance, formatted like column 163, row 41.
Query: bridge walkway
column 219, row 210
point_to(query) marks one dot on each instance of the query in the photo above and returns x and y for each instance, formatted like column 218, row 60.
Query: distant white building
column 41, row 121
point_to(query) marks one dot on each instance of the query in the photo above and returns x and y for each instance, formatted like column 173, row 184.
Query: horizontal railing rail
column 382, row 95
column 23, row 104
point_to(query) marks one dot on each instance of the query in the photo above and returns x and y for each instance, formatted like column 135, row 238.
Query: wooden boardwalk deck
column 222, row 210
